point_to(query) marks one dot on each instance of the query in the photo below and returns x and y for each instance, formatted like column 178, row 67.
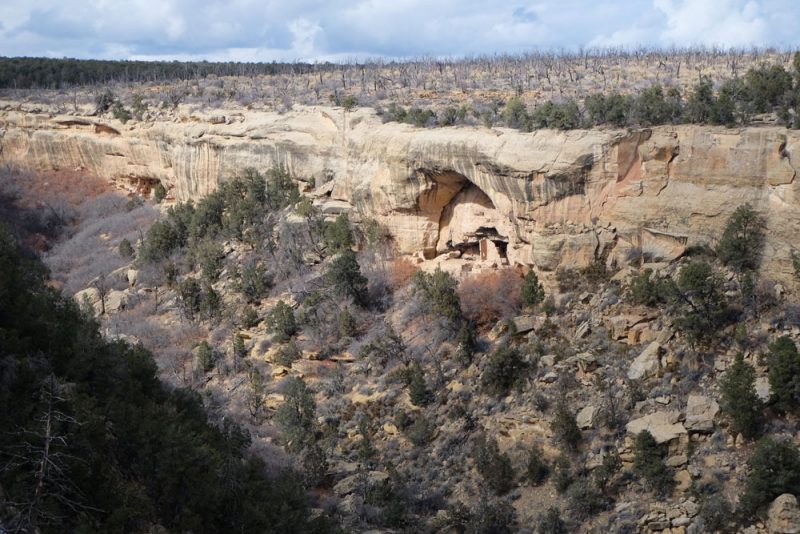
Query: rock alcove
column 468, row 222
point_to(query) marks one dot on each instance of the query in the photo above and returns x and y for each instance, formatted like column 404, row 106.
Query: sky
column 345, row 30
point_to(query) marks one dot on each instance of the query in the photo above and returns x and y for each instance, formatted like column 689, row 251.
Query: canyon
column 547, row 199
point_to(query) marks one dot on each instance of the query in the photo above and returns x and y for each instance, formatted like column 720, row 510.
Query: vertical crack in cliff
column 675, row 151
column 782, row 152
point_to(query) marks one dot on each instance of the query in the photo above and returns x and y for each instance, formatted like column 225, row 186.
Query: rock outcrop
column 664, row 426
column 784, row 515
column 547, row 198
column 700, row 413
column 647, row 364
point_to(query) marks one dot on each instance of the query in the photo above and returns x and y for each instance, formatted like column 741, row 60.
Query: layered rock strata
column 547, row 198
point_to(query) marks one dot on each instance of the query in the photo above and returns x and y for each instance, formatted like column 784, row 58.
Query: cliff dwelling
column 471, row 225
column 467, row 221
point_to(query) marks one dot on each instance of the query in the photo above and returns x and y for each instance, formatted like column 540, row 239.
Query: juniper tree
column 159, row 193
column 739, row 399
column 338, row 235
column 205, row 357
column 565, row 427
column 190, row 297
column 296, row 415
column 505, row 369
column 346, row 323
column 437, row 292
column 281, row 322
column 774, row 470
column 494, row 467
column 418, row 390
column 784, row 374
column 700, row 301
column 550, row 522
column 648, row 462
column 466, row 343
column 344, row 276
column 126, row 249
column 239, row 350
column 532, row 290
column 210, row 303
column 742, row 240
column 536, row 468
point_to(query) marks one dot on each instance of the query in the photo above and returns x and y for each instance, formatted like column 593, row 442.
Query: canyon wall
column 547, row 198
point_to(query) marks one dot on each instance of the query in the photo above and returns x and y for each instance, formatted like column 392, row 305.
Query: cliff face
column 547, row 198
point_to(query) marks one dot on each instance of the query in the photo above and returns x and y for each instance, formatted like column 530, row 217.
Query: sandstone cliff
column 546, row 198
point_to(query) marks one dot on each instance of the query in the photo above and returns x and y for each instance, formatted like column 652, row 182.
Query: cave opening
column 143, row 185
column 502, row 248
column 471, row 224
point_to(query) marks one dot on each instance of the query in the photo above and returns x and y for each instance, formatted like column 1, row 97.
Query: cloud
column 266, row 30
column 726, row 23
column 304, row 33
column 524, row 14
column 722, row 22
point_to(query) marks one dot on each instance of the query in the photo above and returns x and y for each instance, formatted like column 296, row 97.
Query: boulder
column 333, row 207
column 762, row 388
column 526, row 323
column 618, row 326
column 681, row 521
column 279, row 371
column 647, row 364
column 351, row 505
column 549, row 378
column 583, row 330
column 585, row 417
column 497, row 330
column 676, row 461
column 352, row 483
column 664, row 426
column 700, row 413
column 683, row 480
column 662, row 245
column 90, row 295
column 548, row 360
column 644, row 333
column 116, row 300
column 586, row 362
column 274, row 400
column 784, row 515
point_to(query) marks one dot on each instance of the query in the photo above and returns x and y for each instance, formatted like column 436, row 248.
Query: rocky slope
column 546, row 198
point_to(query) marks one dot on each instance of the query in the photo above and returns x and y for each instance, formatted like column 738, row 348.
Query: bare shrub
column 92, row 250
column 376, row 267
column 30, row 209
column 791, row 314
column 490, row 296
column 766, row 295
column 400, row 272
column 171, row 342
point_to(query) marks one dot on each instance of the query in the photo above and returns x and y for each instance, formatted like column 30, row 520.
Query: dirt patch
column 72, row 187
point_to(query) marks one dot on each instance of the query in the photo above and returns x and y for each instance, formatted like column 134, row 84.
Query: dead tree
column 41, row 456
column 101, row 286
